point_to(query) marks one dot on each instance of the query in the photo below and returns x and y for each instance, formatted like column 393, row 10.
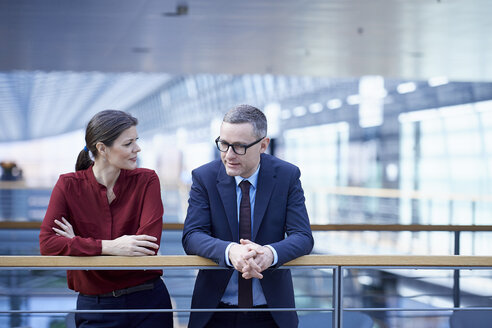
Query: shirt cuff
column 275, row 256
column 227, row 255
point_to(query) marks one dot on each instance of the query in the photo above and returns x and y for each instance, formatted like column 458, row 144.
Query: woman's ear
column 101, row 149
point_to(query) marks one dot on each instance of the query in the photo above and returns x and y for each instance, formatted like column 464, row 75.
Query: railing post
column 340, row 298
column 456, row 285
column 337, row 299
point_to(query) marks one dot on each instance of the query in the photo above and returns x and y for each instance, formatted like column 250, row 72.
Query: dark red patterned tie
column 245, row 290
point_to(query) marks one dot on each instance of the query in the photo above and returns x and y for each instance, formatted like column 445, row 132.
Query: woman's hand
column 133, row 245
column 65, row 228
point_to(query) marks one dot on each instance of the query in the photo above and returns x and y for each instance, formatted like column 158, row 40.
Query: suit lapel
column 226, row 186
column 266, row 183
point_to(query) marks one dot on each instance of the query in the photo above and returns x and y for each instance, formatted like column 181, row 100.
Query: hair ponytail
column 84, row 161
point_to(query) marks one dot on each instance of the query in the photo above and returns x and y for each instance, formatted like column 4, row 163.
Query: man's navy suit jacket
column 280, row 220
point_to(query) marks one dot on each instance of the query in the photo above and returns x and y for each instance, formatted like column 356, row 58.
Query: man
column 276, row 230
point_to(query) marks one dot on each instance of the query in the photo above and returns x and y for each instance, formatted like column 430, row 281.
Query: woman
column 109, row 207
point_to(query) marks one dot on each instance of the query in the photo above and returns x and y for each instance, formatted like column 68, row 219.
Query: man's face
column 242, row 133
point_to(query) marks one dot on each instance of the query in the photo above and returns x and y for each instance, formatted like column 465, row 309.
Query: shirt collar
column 253, row 179
column 92, row 178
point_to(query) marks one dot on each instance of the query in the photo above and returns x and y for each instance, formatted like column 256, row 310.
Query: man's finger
column 252, row 246
column 249, row 255
column 254, row 266
column 252, row 270
column 252, row 274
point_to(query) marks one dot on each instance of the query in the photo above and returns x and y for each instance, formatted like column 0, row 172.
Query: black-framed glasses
column 237, row 148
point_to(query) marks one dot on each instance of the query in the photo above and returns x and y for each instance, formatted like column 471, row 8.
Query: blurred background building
column 386, row 106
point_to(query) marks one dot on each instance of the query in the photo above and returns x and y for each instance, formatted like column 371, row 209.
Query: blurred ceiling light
column 299, row 111
column 334, row 103
column 285, row 114
column 437, row 81
column 315, row 107
column 406, row 87
column 353, row 99
column 371, row 104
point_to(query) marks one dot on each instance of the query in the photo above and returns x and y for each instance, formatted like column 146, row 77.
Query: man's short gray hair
column 248, row 114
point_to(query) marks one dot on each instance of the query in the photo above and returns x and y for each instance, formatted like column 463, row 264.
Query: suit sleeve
column 299, row 239
column 197, row 231
column 52, row 244
column 152, row 210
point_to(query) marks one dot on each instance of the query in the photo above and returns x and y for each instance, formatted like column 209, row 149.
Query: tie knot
column 244, row 185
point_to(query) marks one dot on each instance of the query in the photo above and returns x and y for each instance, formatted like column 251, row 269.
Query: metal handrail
column 180, row 261
column 337, row 263
column 29, row 225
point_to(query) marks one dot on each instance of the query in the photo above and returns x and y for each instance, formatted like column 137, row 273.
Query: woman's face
column 123, row 153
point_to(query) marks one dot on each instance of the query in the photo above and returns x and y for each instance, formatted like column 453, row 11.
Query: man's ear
column 264, row 145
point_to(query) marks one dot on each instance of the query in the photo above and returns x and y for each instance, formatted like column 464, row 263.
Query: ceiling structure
column 338, row 38
column 397, row 39
column 41, row 104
